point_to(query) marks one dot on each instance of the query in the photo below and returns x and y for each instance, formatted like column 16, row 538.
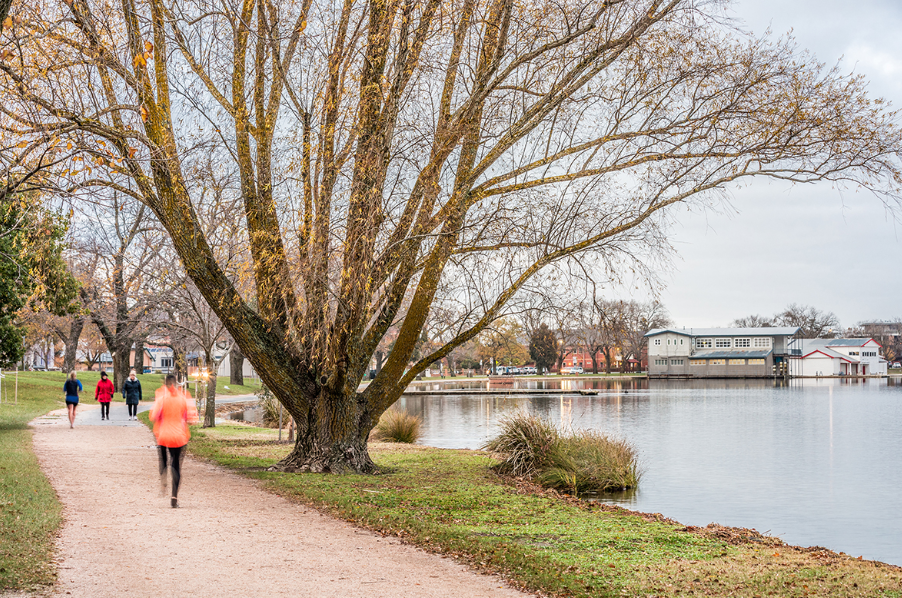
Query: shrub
column 270, row 405
column 526, row 445
column 396, row 425
column 590, row 461
column 586, row 461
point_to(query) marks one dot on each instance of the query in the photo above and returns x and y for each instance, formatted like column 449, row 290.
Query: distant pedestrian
column 104, row 394
column 171, row 414
column 72, row 387
column 131, row 392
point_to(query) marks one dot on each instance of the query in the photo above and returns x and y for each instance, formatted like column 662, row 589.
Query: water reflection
column 813, row 461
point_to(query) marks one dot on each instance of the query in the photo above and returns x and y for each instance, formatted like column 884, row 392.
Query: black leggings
column 175, row 455
column 132, row 410
column 105, row 410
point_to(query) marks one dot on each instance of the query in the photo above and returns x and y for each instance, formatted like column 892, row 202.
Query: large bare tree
column 388, row 148
column 119, row 242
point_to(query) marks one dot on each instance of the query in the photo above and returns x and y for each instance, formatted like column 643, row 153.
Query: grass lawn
column 29, row 510
column 450, row 502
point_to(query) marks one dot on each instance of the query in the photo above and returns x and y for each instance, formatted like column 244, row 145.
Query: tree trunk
column 594, row 362
column 210, row 409
column 607, row 360
column 337, row 443
column 379, row 357
column 180, row 363
column 121, row 365
column 138, row 363
column 78, row 325
column 236, row 365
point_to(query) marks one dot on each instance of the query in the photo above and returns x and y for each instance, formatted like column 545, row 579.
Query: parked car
column 528, row 370
column 574, row 369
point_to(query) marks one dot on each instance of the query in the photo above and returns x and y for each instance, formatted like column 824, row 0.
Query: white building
column 838, row 357
column 718, row 352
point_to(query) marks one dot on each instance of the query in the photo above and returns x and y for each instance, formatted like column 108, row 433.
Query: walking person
column 104, row 394
column 72, row 387
column 171, row 414
column 131, row 392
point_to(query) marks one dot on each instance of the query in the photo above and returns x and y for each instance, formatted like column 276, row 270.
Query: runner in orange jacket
column 171, row 414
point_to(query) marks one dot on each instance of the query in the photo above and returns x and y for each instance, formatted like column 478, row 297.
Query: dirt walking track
column 229, row 538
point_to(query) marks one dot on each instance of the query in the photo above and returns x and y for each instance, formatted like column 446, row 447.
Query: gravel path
column 229, row 538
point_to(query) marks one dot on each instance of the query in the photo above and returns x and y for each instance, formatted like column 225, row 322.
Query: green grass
column 450, row 502
column 29, row 509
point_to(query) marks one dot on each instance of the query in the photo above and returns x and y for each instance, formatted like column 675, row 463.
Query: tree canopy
column 32, row 270
column 389, row 153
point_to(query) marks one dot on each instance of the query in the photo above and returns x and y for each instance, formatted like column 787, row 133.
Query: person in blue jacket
column 72, row 387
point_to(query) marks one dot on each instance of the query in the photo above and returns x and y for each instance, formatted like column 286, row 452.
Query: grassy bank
column 450, row 502
column 29, row 509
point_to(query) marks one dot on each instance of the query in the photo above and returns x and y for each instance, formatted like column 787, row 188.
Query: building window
column 703, row 343
column 743, row 342
column 718, row 362
column 166, row 362
column 756, row 362
column 696, row 362
column 762, row 342
column 660, row 362
column 658, row 342
column 737, row 362
column 676, row 362
column 853, row 352
column 681, row 341
column 722, row 343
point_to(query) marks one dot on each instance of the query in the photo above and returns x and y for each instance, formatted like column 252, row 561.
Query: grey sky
column 809, row 244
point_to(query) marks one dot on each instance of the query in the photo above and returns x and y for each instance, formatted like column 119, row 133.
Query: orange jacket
column 172, row 412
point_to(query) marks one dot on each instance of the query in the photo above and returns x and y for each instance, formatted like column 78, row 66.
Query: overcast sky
column 807, row 244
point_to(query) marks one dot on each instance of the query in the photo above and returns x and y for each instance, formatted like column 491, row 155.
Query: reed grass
column 590, row 461
column 397, row 425
column 526, row 445
column 586, row 461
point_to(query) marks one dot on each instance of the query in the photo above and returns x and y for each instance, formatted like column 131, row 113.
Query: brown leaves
column 142, row 58
column 144, row 113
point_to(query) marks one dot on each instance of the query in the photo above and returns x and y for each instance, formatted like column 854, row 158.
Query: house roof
column 808, row 344
column 770, row 331
column 850, row 342
column 828, row 352
column 730, row 354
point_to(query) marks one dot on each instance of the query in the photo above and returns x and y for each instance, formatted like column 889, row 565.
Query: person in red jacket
column 104, row 394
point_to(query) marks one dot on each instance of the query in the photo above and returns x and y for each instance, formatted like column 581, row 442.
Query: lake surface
column 815, row 462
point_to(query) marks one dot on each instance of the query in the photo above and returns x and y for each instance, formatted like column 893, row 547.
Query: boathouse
column 838, row 357
column 719, row 352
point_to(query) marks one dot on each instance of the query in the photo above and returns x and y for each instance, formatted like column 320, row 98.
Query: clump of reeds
column 526, row 444
column 577, row 463
column 270, row 405
column 589, row 461
column 396, row 425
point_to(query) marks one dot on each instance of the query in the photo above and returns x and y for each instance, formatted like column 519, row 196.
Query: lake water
column 815, row 462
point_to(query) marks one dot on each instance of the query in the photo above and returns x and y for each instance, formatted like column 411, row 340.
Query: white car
column 574, row 369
